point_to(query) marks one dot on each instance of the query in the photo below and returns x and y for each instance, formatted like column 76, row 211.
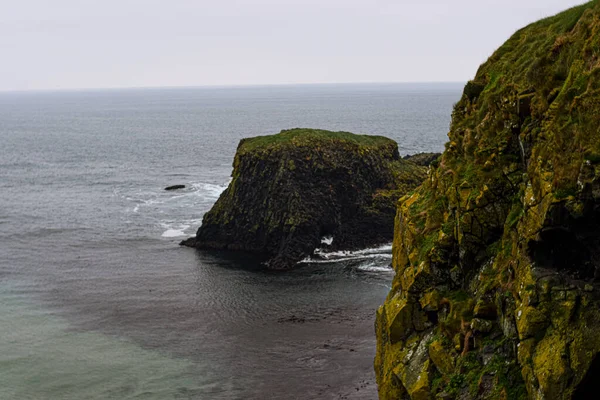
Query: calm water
column 98, row 301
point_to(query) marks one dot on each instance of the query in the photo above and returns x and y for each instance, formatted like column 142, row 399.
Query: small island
column 307, row 188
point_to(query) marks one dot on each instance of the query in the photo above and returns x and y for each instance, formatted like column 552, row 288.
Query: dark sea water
column 98, row 301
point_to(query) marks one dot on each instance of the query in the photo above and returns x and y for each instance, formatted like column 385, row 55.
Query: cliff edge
column 497, row 254
column 293, row 190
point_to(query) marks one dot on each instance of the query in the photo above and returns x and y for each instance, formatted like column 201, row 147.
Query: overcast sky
column 66, row 44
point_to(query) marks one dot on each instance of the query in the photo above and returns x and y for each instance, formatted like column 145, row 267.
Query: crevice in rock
column 560, row 249
column 432, row 316
column 589, row 387
column 569, row 246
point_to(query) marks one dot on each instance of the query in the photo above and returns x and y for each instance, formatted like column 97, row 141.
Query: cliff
column 291, row 190
column 497, row 254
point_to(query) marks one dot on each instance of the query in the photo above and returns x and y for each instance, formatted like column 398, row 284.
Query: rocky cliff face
column 497, row 254
column 292, row 189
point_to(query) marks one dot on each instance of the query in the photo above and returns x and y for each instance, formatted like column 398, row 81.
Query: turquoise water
column 71, row 364
column 98, row 301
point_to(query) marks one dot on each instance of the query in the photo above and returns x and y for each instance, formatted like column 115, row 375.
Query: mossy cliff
column 497, row 254
column 292, row 189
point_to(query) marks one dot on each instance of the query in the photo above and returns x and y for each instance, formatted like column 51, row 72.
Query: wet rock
column 481, row 325
column 175, row 187
column 442, row 357
column 423, row 159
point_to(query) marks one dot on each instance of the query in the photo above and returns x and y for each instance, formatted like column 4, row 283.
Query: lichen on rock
column 505, row 230
column 292, row 189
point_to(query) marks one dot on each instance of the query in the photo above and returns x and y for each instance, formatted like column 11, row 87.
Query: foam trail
column 170, row 233
column 372, row 267
column 175, row 230
column 310, row 260
column 322, row 256
column 381, row 250
column 209, row 190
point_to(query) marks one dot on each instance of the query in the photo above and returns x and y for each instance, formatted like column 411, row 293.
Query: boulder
column 175, row 187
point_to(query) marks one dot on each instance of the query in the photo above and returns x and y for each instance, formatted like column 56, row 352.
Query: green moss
column 593, row 158
column 459, row 296
column 426, row 245
column 515, row 214
column 522, row 157
column 311, row 137
column 563, row 193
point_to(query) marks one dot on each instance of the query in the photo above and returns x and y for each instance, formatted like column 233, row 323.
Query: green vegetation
column 290, row 189
column 518, row 310
column 310, row 137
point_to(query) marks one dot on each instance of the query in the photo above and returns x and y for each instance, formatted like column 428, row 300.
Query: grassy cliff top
column 543, row 55
column 542, row 85
column 526, row 54
column 307, row 137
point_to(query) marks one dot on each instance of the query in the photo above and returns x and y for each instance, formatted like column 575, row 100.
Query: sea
column 99, row 301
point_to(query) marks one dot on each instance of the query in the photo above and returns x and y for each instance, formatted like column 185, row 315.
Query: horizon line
column 226, row 86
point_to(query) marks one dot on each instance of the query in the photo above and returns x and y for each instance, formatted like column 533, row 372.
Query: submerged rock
column 175, row 187
column 497, row 254
column 293, row 191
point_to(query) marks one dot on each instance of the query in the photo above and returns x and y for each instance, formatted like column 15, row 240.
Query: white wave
column 312, row 260
column 381, row 250
column 209, row 190
column 199, row 195
column 323, row 256
column 174, row 229
column 327, row 240
column 170, row 233
column 372, row 267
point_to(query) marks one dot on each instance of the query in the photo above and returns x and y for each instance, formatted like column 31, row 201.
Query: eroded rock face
column 497, row 254
column 291, row 190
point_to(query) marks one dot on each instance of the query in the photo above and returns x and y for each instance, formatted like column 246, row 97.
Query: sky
column 73, row 44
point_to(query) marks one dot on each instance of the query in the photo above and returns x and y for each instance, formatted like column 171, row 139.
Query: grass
column 307, row 136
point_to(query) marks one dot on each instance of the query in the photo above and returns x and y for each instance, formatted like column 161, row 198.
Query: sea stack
column 497, row 255
column 291, row 191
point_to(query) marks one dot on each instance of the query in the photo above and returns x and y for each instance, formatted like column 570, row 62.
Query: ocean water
column 98, row 301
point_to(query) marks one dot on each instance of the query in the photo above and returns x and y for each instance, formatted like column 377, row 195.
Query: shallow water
column 98, row 301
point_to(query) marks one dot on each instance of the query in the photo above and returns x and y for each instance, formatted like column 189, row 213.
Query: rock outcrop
column 423, row 159
column 291, row 190
column 497, row 254
column 175, row 187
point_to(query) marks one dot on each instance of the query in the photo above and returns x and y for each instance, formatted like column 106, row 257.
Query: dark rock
column 175, row 187
column 292, row 189
column 473, row 90
column 423, row 159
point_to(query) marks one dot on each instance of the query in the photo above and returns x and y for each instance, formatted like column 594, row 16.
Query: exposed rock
column 423, row 159
column 506, row 231
column 291, row 190
column 175, row 187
